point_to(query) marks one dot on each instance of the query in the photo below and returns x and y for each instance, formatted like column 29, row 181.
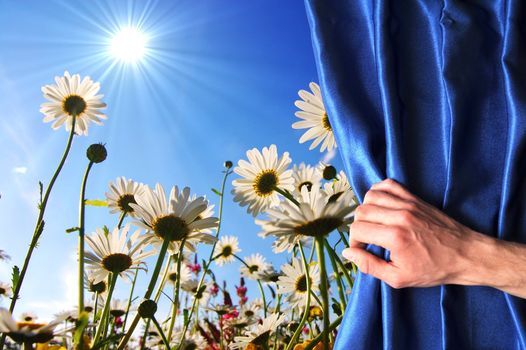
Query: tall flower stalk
column 227, row 172
column 39, row 227
column 147, row 294
column 82, row 210
column 324, row 291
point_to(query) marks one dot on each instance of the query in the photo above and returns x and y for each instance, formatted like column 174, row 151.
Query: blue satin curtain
column 432, row 94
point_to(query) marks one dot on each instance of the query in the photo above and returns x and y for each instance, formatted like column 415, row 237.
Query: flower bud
column 96, row 153
column 147, row 308
column 329, row 172
column 228, row 164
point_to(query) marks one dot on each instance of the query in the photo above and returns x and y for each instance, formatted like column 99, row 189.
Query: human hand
column 427, row 247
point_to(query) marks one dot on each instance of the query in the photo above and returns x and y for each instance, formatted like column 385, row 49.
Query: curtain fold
column 432, row 94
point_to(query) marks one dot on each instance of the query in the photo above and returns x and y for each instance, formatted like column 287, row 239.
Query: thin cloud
column 20, row 170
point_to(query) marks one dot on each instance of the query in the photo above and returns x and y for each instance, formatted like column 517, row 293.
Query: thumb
column 368, row 263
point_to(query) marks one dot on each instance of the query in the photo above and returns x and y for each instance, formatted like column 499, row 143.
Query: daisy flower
column 256, row 265
column 315, row 119
column 28, row 317
column 114, row 253
column 249, row 311
column 339, row 186
column 122, row 193
column 314, row 217
column 259, row 335
column 305, row 175
column 186, row 274
column 93, row 285
column 176, row 218
column 202, row 296
column 226, row 248
column 261, row 176
column 191, row 342
column 71, row 98
column 27, row 331
column 5, row 290
column 118, row 307
column 294, row 281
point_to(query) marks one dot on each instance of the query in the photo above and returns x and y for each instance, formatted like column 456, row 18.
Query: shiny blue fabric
column 432, row 94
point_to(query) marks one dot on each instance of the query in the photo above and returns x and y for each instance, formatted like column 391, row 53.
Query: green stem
column 121, row 219
column 339, row 284
column 278, row 307
column 175, row 307
column 324, row 291
column 339, row 263
column 130, row 300
column 345, row 241
column 39, row 227
column 147, row 294
column 287, row 195
column 106, row 311
column 305, row 316
column 205, row 268
column 160, row 330
column 259, row 284
column 82, row 219
column 156, row 299
column 318, row 338
column 95, row 307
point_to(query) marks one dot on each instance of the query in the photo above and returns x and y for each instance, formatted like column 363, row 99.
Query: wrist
column 478, row 261
column 491, row 262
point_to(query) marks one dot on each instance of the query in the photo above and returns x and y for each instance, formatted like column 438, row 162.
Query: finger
column 369, row 263
column 394, row 188
column 362, row 233
column 379, row 215
column 386, row 199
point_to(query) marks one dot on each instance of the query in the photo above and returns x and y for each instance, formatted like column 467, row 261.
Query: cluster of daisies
column 157, row 236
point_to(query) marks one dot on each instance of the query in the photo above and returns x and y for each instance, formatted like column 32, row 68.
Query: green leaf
column 96, row 203
column 72, row 229
column 15, row 277
column 81, row 324
column 106, row 231
column 217, row 192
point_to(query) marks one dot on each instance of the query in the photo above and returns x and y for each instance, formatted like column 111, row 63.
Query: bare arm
column 427, row 247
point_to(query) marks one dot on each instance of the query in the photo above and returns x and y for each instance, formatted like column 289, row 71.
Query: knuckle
column 390, row 182
column 360, row 212
column 399, row 237
column 411, row 206
column 406, row 216
column 370, row 196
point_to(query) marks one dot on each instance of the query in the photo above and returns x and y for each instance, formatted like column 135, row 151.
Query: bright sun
column 128, row 45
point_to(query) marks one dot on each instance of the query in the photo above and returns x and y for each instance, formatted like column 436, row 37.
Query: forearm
column 495, row 263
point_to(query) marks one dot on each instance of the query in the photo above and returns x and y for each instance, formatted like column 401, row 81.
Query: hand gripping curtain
column 431, row 94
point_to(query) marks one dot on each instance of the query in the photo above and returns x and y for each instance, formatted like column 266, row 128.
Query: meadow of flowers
column 297, row 205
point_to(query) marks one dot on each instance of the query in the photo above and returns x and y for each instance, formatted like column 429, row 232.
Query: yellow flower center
column 171, row 227
column 117, row 262
column 308, row 184
column 74, row 105
column 325, row 122
column 301, row 284
column 265, row 183
column 319, row 227
column 124, row 202
column 227, row 251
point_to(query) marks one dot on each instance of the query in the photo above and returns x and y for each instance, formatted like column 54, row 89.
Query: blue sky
column 220, row 77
